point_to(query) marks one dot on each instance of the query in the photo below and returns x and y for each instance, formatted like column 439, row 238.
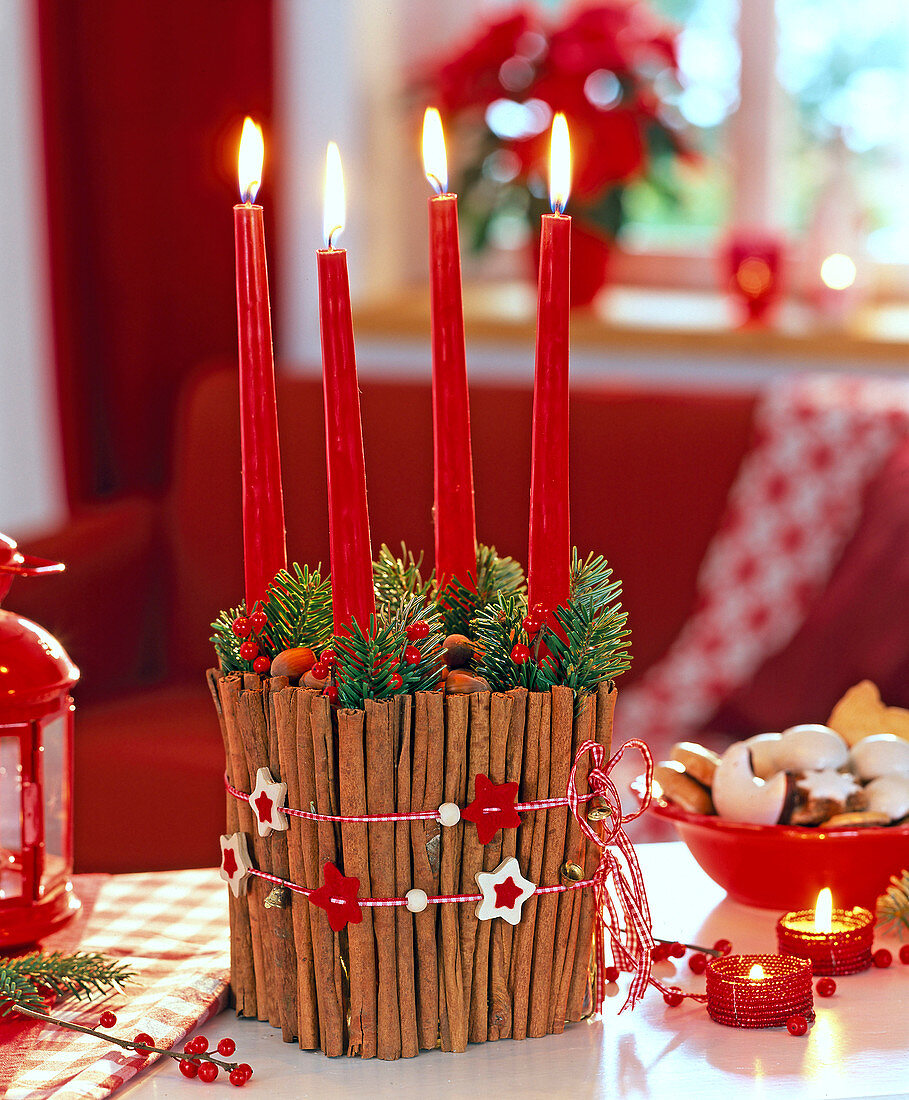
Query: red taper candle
column 455, row 522
column 549, row 556
column 353, row 596
column 264, row 544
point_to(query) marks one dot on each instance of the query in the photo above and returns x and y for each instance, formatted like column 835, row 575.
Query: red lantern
column 36, row 767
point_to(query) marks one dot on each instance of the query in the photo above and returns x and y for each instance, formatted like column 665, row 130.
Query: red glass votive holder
column 738, row 1000
column 846, row 949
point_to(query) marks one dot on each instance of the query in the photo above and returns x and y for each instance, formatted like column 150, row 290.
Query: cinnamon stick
column 404, row 922
column 531, row 845
column 500, row 708
column 272, row 856
column 242, row 970
column 579, row 992
column 362, row 1038
column 426, row 842
column 562, row 722
column 330, row 978
column 473, row 961
column 572, row 901
column 301, row 835
column 381, row 735
column 229, row 688
column 502, row 934
column 453, row 1008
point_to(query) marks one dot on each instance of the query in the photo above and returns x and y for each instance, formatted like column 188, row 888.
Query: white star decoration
column 235, row 863
column 265, row 801
column 504, row 892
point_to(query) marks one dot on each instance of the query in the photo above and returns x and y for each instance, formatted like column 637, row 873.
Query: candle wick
column 436, row 182
column 250, row 193
column 557, row 206
column 334, row 229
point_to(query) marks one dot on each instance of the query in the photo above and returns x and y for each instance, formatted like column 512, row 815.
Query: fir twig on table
column 893, row 905
column 79, row 976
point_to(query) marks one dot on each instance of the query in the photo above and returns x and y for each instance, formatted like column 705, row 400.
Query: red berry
column 659, row 952
column 539, row 610
column 319, row 670
column 331, row 693
column 208, row 1071
column 520, row 654
column 227, row 1047
column 797, row 1025
column 674, row 997
column 412, row 655
column 188, row 1067
column 237, row 1078
column 261, row 665
column 246, row 1068
column 826, row 987
column 329, row 657
column 395, row 680
column 677, row 950
column 417, row 630
column 531, row 624
column 143, row 1039
column 697, row 964
column 723, row 946
column 882, row 958
column 258, row 621
column 904, row 953
column 108, row 1019
column 201, row 1044
column 241, row 627
column 611, row 973
column 249, row 651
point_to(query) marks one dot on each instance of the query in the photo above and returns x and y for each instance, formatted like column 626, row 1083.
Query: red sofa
column 651, row 469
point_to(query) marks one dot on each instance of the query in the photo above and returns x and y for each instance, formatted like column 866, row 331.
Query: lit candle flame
column 435, row 162
column 559, row 165
column 334, row 209
column 249, row 161
column 823, row 911
column 756, row 972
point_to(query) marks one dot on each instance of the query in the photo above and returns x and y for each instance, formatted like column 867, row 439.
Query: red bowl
column 784, row 866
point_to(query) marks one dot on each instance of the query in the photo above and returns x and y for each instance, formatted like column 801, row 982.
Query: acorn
column 293, row 663
column 461, row 682
column 458, row 651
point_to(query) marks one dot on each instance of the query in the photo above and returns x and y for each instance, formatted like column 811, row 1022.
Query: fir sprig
column 397, row 580
column 589, row 645
column 372, row 664
column 893, row 906
column 460, row 603
column 26, row 981
column 297, row 607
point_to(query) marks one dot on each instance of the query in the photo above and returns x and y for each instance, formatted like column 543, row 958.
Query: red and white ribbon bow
column 632, row 941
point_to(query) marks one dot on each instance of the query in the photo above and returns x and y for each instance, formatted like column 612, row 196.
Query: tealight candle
column 758, row 990
column 835, row 941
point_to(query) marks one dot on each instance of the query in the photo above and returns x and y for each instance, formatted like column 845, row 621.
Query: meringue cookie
column 810, row 748
column 880, row 754
column 739, row 795
column 889, row 794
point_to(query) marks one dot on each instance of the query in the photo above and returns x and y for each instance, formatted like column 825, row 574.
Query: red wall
column 143, row 104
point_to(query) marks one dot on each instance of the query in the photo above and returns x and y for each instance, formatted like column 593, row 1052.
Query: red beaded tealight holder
column 845, row 949
column 759, row 990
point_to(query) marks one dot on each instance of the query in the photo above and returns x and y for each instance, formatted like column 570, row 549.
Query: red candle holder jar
column 846, row 949
column 36, row 766
column 737, row 999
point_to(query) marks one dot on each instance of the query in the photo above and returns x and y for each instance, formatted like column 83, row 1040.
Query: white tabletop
column 858, row 1046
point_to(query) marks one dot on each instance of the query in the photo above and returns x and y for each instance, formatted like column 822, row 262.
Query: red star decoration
column 492, row 808
column 338, row 897
column 507, row 893
column 263, row 806
column 229, row 863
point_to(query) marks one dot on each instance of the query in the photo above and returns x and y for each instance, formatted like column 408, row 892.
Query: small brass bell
column 278, row 898
column 572, row 871
column 599, row 811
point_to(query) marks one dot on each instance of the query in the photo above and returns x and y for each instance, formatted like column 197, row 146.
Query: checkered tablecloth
column 172, row 928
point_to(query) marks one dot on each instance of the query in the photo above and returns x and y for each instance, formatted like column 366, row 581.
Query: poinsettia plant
column 611, row 68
